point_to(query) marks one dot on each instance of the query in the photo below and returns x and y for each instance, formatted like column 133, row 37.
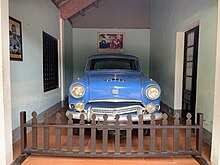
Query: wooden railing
column 142, row 149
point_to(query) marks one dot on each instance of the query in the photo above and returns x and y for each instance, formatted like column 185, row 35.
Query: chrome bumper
column 111, row 118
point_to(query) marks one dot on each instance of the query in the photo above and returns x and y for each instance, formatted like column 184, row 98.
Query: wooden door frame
column 215, row 150
column 194, row 70
column 179, row 65
column 6, row 155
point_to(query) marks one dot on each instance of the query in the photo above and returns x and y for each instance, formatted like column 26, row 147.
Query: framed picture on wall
column 110, row 42
column 15, row 39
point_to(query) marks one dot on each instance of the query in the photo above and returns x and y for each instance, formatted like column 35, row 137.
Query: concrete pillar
column 215, row 152
column 5, row 88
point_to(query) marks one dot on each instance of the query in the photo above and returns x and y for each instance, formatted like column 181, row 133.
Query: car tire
column 75, row 131
column 147, row 131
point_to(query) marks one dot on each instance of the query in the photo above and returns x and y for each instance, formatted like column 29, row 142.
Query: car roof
column 126, row 56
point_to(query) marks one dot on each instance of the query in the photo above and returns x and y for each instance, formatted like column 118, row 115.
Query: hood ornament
column 115, row 79
column 115, row 91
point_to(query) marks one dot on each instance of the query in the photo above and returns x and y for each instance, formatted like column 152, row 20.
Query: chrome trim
column 115, row 100
column 115, row 79
column 120, row 111
column 158, row 107
column 111, row 118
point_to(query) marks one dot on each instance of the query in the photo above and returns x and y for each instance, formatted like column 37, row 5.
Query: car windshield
column 113, row 63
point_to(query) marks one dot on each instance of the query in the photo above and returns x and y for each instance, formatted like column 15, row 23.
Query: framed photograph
column 110, row 42
column 15, row 39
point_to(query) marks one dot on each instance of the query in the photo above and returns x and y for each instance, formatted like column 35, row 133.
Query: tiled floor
column 40, row 160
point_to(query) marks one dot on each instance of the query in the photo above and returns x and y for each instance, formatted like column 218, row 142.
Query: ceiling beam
column 57, row 1
column 72, row 7
column 62, row 3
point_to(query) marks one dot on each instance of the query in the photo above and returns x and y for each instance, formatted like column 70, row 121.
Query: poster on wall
column 15, row 39
column 110, row 42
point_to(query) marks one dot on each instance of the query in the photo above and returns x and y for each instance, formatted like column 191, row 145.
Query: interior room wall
column 115, row 14
column 27, row 75
column 168, row 18
column 137, row 42
column 68, row 54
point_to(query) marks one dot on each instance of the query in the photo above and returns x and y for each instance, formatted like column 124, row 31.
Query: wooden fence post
column 81, row 134
column 23, row 131
column 199, row 133
column 93, row 134
column 140, row 134
column 176, row 133
column 34, row 130
column 129, row 135
column 105, row 134
column 117, row 135
column 58, row 132
column 152, row 134
column 188, row 133
column 46, row 131
column 164, row 133
column 70, row 134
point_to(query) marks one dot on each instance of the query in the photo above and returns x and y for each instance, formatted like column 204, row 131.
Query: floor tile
column 129, row 159
column 68, row 159
column 98, row 163
column 187, row 163
column 160, row 163
column 98, row 159
column 68, row 163
column 184, row 159
column 159, row 159
column 38, row 160
column 129, row 163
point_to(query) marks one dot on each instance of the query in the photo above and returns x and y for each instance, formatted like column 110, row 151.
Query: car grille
column 115, row 108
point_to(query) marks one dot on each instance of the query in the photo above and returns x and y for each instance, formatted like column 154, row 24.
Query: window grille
column 50, row 62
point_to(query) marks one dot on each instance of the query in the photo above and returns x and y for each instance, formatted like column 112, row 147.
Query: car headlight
column 152, row 92
column 77, row 91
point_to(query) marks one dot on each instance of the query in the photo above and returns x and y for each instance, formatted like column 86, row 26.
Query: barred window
column 50, row 62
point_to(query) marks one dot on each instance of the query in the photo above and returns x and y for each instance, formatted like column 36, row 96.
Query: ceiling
column 70, row 8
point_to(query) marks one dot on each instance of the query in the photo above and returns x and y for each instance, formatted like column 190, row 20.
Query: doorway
column 190, row 72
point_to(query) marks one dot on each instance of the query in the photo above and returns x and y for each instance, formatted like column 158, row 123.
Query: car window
column 110, row 63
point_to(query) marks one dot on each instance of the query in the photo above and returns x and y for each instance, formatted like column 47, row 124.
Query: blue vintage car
column 114, row 84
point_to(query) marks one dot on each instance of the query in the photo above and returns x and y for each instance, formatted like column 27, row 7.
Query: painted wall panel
column 27, row 76
column 169, row 17
column 137, row 42
column 68, row 53
column 115, row 14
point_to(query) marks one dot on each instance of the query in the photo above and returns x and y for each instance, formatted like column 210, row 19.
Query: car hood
column 114, row 86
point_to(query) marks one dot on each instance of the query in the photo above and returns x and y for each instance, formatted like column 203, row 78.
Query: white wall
column 169, row 17
column 27, row 76
column 137, row 42
column 215, row 152
column 6, row 155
